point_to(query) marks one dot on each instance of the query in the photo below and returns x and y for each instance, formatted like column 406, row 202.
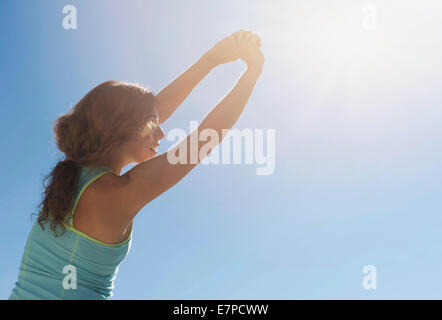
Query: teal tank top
column 49, row 264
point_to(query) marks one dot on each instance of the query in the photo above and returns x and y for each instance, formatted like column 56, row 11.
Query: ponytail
column 58, row 195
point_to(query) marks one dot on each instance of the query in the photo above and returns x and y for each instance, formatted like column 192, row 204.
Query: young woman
column 84, row 227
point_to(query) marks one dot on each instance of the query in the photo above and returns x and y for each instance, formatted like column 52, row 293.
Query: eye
column 153, row 124
column 150, row 128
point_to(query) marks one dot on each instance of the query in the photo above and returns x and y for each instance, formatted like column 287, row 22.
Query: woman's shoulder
column 121, row 197
column 105, row 192
column 110, row 180
column 99, row 212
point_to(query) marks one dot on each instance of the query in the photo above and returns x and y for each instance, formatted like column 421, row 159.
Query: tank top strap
column 86, row 177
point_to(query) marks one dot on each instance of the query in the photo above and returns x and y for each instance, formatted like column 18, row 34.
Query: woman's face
column 145, row 146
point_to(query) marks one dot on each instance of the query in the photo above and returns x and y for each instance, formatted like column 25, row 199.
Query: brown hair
column 89, row 135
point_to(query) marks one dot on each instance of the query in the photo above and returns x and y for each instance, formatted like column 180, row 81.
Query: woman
column 84, row 227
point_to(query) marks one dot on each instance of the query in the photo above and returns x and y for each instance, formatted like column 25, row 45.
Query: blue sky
column 357, row 115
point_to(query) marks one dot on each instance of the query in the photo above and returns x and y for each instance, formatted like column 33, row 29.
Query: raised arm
column 149, row 179
column 171, row 97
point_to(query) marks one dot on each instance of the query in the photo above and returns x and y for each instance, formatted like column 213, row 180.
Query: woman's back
column 48, row 261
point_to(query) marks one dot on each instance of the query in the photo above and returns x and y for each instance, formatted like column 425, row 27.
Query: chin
column 146, row 155
column 150, row 155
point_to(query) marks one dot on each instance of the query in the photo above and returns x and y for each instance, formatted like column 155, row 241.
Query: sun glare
column 350, row 48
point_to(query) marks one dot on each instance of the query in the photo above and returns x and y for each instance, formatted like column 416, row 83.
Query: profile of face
column 144, row 145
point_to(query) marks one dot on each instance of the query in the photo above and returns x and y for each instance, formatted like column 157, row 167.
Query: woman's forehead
column 153, row 110
column 153, row 119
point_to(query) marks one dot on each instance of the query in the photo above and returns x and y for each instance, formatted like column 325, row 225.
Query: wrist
column 255, row 69
column 208, row 60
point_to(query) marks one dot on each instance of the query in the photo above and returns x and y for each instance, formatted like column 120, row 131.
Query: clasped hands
column 241, row 44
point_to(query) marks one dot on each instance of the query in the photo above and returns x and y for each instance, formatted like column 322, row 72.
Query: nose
column 159, row 134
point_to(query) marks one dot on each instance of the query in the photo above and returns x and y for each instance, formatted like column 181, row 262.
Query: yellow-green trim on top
column 70, row 226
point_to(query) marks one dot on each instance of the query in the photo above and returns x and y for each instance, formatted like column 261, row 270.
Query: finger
column 241, row 35
column 237, row 39
column 246, row 35
column 249, row 37
column 257, row 40
column 235, row 35
column 253, row 42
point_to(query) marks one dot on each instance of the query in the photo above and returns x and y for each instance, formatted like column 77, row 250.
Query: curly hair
column 90, row 134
